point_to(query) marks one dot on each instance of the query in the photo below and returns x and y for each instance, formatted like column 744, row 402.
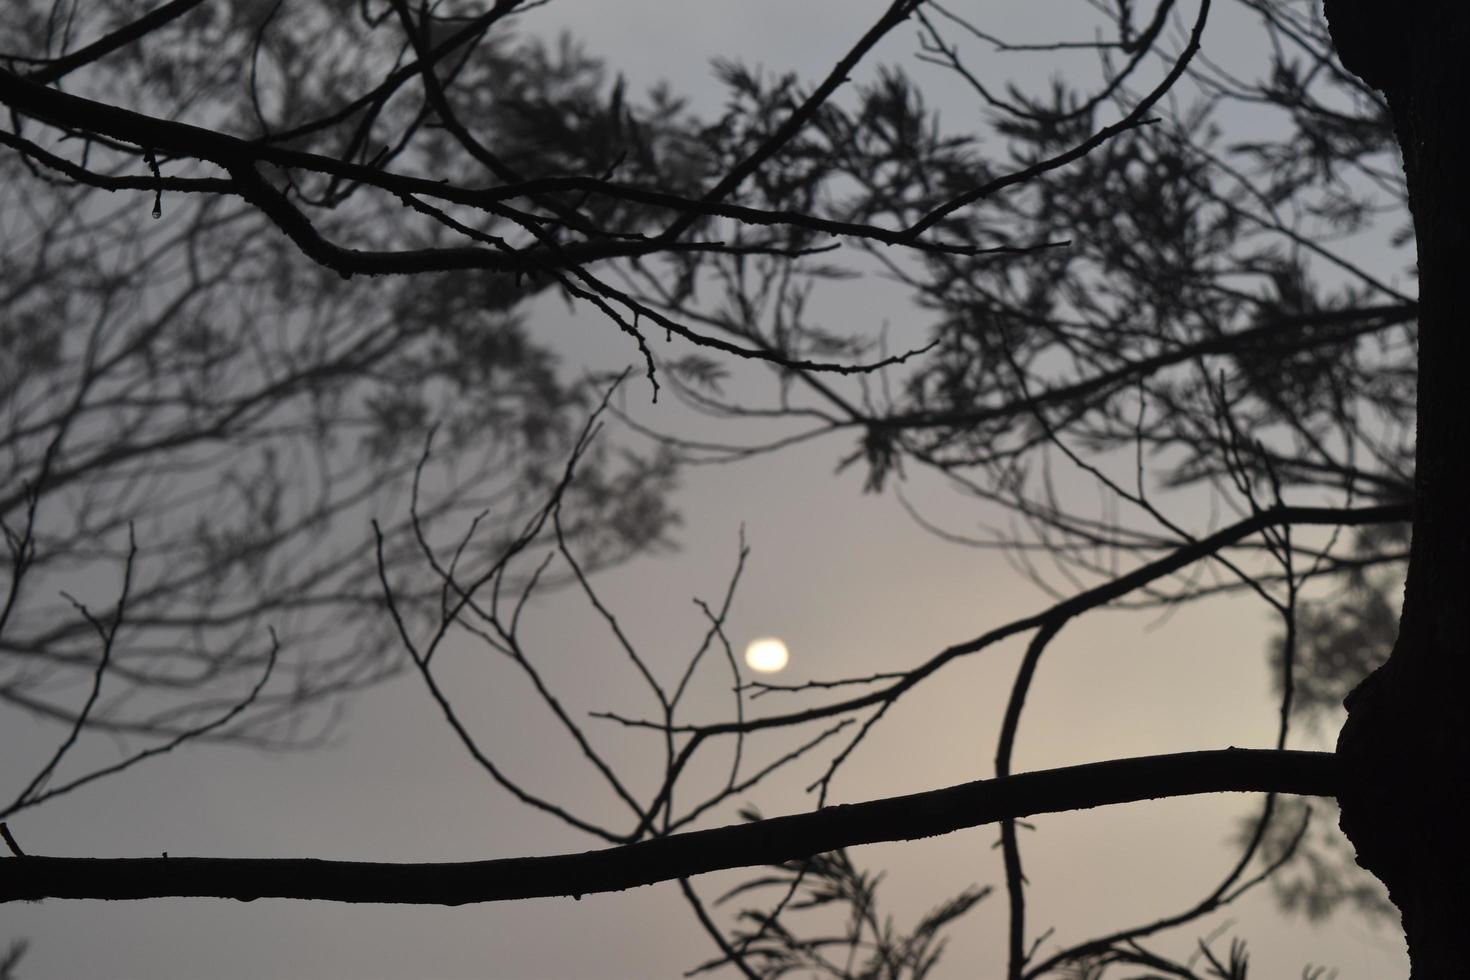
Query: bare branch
column 769, row 841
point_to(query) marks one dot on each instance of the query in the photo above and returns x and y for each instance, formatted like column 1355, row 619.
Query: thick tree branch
column 770, row 841
column 1280, row 335
column 129, row 34
column 170, row 138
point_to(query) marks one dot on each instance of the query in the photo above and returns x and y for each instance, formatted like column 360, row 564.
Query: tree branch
column 770, row 841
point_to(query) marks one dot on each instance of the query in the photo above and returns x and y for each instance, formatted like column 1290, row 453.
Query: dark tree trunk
column 1406, row 743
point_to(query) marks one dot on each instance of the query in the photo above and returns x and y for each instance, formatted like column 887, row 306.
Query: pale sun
column 766, row 656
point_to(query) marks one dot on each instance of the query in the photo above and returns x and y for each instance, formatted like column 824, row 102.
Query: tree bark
column 1406, row 743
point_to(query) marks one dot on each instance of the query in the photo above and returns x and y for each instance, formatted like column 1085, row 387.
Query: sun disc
column 766, row 656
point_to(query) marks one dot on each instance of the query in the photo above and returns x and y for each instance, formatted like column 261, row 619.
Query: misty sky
column 846, row 579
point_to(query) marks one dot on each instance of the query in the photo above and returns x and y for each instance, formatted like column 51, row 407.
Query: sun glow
column 766, row 656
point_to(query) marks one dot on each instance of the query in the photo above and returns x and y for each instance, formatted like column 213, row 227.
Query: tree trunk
column 1406, row 743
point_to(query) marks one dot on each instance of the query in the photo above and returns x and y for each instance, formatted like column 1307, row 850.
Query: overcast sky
column 846, row 579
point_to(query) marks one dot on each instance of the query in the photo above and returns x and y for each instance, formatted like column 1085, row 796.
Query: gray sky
column 846, row 579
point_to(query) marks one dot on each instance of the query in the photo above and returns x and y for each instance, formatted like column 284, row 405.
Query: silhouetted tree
column 190, row 408
column 1183, row 322
column 1211, row 324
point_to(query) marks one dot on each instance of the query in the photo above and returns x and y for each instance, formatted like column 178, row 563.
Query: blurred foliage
column 863, row 945
column 246, row 411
